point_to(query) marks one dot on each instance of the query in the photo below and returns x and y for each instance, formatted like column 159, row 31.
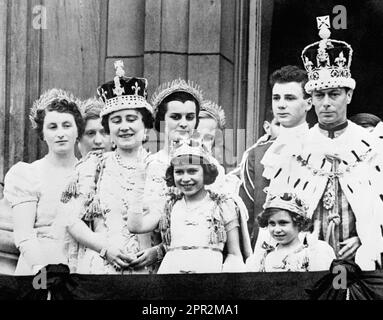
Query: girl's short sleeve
column 229, row 214
column 21, row 184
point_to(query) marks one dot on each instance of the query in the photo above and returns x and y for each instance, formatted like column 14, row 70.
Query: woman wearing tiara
column 30, row 189
column 212, row 122
column 176, row 107
column 94, row 138
column 95, row 203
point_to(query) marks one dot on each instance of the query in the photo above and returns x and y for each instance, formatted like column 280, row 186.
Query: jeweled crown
column 213, row 110
column 287, row 201
column 123, row 92
column 178, row 85
column 47, row 98
column 327, row 61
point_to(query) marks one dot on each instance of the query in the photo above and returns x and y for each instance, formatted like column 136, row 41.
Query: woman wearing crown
column 95, row 204
column 30, row 189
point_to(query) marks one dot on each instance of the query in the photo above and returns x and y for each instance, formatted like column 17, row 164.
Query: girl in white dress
column 33, row 190
column 285, row 218
column 196, row 224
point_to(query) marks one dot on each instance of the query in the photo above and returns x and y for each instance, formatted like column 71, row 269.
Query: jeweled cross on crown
column 323, row 22
column 118, row 90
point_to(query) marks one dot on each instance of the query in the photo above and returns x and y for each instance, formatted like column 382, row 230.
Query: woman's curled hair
column 62, row 106
column 147, row 119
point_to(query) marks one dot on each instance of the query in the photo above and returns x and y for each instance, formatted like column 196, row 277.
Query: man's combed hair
column 304, row 224
column 290, row 74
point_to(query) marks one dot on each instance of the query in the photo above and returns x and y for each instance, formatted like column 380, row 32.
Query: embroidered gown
column 304, row 257
column 40, row 183
column 156, row 191
column 195, row 236
column 105, row 191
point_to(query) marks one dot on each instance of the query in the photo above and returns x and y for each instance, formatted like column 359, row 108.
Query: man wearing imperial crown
column 334, row 169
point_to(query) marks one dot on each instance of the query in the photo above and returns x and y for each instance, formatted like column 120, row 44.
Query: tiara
column 91, row 103
column 178, row 85
column 215, row 111
column 327, row 61
column 189, row 147
column 47, row 98
column 287, row 201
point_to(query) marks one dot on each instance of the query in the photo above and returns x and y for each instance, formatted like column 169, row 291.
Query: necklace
column 333, row 174
column 132, row 164
column 127, row 175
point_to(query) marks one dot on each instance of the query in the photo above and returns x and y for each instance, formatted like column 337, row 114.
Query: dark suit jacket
column 251, row 190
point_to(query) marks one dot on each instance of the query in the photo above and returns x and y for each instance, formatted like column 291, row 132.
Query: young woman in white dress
column 34, row 189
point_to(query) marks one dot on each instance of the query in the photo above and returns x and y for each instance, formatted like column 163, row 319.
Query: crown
column 287, row 201
column 123, row 92
column 47, row 98
column 178, row 85
column 327, row 61
column 213, row 110
column 189, row 147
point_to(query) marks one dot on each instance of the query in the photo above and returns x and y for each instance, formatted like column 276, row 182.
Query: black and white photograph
column 205, row 152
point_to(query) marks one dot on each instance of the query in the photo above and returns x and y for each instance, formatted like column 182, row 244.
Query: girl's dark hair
column 210, row 172
column 63, row 106
column 175, row 96
column 147, row 119
column 303, row 224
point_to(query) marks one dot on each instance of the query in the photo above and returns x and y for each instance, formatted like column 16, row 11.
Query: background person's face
column 331, row 105
column 127, row 129
column 207, row 128
column 272, row 129
column 289, row 105
column 60, row 131
column 94, row 138
column 180, row 119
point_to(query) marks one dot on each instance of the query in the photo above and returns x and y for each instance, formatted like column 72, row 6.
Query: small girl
column 196, row 224
column 285, row 216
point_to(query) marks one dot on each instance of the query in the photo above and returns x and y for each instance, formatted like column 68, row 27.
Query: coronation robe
column 334, row 175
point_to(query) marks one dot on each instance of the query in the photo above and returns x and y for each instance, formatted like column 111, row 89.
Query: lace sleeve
column 155, row 188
